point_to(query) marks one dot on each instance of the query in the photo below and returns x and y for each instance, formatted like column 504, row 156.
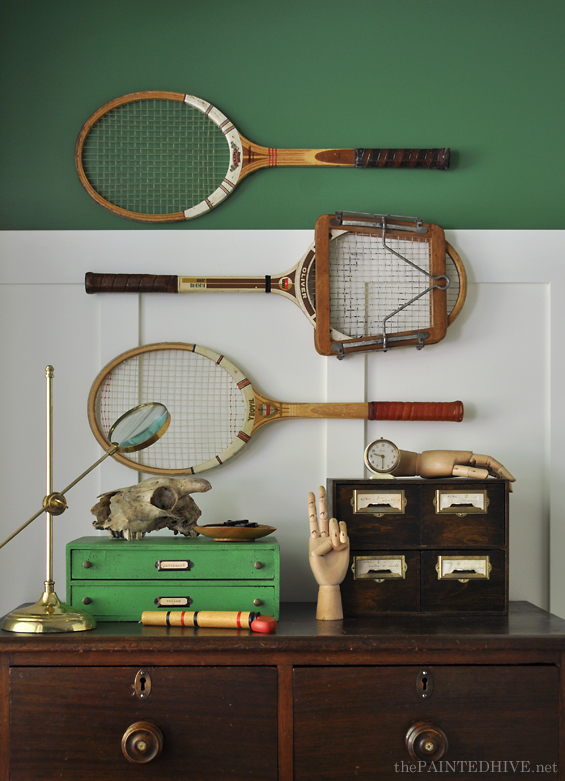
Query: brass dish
column 235, row 533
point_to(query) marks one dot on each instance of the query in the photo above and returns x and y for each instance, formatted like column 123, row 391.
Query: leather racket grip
column 416, row 410
column 130, row 283
column 402, row 158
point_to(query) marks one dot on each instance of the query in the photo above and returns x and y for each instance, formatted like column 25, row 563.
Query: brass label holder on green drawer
column 177, row 564
column 173, row 601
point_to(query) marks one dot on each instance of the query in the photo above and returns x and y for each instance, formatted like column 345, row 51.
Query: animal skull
column 156, row 503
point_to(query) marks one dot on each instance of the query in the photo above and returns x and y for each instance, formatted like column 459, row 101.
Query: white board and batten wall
column 502, row 358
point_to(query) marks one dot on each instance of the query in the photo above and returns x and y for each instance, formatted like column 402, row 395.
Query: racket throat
column 268, row 410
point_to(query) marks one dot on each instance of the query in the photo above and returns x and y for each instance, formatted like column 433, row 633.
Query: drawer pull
column 258, row 565
column 87, row 564
column 378, row 503
column 463, row 569
column 142, row 742
column 461, row 503
column 425, row 742
column 379, row 567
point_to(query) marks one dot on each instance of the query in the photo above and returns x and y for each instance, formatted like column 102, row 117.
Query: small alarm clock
column 382, row 457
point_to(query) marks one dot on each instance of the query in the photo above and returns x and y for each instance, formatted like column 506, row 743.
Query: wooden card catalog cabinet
column 424, row 546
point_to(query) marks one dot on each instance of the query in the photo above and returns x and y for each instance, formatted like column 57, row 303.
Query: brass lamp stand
column 135, row 430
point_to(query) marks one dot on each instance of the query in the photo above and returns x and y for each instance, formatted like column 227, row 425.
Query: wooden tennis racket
column 214, row 408
column 362, row 283
column 167, row 156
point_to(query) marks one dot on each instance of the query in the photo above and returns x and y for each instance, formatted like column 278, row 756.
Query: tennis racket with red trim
column 214, row 408
column 166, row 156
column 376, row 282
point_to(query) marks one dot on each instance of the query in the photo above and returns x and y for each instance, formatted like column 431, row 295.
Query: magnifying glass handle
column 58, row 496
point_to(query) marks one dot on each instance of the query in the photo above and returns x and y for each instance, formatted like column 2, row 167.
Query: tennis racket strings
column 371, row 287
column 155, row 156
column 204, row 400
column 346, row 305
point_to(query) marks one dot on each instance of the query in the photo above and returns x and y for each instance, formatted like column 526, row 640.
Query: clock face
column 382, row 456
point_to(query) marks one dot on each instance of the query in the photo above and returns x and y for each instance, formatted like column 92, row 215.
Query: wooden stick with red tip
column 229, row 619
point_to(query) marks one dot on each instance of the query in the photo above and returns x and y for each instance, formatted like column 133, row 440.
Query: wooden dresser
column 363, row 699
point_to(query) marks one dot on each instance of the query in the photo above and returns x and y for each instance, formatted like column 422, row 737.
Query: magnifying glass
column 140, row 427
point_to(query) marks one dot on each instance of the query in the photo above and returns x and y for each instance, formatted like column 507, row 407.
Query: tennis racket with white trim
column 214, row 408
column 167, row 156
column 370, row 267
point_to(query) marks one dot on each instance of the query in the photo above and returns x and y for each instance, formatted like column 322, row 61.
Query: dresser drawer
column 382, row 582
column 468, row 515
column 68, row 723
column 189, row 559
column 464, row 580
column 379, row 513
column 126, row 601
column 492, row 714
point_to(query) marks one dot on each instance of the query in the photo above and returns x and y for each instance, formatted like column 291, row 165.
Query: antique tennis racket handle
column 402, row 158
column 130, row 283
column 373, row 410
column 416, row 410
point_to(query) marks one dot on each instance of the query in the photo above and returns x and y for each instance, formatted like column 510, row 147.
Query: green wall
column 484, row 77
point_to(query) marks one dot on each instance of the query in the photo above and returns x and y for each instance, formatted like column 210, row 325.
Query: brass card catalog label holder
column 461, row 502
column 464, row 568
column 379, row 568
column 379, row 502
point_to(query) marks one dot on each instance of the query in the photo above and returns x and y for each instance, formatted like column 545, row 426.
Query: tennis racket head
column 211, row 403
column 367, row 297
column 457, row 290
column 158, row 156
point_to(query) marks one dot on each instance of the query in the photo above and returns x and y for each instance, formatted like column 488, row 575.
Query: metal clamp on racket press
column 342, row 348
column 384, row 221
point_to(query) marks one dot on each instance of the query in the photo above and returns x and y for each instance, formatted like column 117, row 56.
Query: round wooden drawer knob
column 426, row 742
column 142, row 742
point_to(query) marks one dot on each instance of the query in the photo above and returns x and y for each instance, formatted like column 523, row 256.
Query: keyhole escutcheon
column 142, row 684
column 424, row 684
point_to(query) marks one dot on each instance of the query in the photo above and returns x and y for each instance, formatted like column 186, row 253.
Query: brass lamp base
column 48, row 614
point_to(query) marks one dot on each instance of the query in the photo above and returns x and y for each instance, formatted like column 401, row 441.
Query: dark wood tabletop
column 525, row 626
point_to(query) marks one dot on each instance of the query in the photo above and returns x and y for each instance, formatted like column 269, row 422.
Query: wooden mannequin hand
column 328, row 553
column 445, row 463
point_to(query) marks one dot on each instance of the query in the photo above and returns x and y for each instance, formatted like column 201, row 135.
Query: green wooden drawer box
column 117, row 580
